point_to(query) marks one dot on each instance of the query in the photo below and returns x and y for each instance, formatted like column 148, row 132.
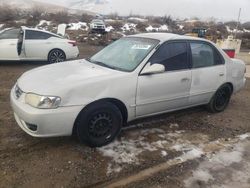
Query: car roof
column 162, row 37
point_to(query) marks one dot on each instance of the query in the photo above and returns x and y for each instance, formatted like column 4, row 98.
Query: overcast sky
column 222, row 10
column 219, row 9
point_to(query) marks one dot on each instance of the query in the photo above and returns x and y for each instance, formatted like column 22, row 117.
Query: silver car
column 134, row 77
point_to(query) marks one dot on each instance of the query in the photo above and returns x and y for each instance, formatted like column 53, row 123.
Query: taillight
column 73, row 43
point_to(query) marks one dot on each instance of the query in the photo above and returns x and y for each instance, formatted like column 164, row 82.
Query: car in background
column 27, row 44
column 97, row 26
column 134, row 77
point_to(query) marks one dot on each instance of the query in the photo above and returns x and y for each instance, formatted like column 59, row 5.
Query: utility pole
column 238, row 22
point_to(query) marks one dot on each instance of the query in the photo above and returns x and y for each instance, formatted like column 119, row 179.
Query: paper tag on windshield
column 141, row 46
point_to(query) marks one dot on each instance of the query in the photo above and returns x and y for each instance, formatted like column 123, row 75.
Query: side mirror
column 153, row 69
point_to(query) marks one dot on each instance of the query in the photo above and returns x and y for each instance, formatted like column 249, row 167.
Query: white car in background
column 97, row 26
column 134, row 77
column 28, row 44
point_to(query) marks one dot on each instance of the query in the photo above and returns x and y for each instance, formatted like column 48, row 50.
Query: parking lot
column 188, row 148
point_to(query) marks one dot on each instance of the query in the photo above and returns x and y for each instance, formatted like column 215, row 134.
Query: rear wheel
column 220, row 100
column 56, row 56
column 99, row 124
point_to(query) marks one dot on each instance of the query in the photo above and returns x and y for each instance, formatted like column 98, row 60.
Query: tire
column 56, row 56
column 99, row 124
column 220, row 100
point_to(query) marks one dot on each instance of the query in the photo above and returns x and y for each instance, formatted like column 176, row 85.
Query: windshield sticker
column 141, row 46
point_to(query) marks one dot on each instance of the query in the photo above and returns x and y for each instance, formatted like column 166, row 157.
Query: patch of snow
column 109, row 20
column 1, row 25
column 150, row 28
column 164, row 153
column 129, row 27
column 233, row 30
column 174, row 125
column 180, row 26
column 78, row 26
column 137, row 19
column 43, row 22
column 199, row 175
column 246, row 30
column 218, row 167
column 163, row 28
column 109, row 29
column 244, row 136
column 226, row 158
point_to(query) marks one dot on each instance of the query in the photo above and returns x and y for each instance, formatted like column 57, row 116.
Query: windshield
column 125, row 54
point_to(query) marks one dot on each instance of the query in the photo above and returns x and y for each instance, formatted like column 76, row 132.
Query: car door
column 166, row 91
column 36, row 45
column 208, row 72
column 8, row 41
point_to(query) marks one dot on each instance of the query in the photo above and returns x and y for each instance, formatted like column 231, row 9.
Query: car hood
column 53, row 79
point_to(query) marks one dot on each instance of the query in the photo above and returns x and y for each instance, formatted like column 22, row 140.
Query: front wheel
column 99, row 124
column 220, row 100
column 56, row 56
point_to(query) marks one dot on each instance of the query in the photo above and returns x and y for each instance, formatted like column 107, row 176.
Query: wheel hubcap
column 57, row 56
column 100, row 125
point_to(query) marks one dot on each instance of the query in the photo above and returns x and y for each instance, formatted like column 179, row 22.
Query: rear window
column 37, row 35
column 10, row 34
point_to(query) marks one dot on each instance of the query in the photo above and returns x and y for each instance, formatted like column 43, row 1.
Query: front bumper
column 49, row 122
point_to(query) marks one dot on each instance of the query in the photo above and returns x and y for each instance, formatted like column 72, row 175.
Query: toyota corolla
column 134, row 77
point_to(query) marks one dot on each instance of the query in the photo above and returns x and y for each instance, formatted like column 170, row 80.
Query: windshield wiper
column 103, row 64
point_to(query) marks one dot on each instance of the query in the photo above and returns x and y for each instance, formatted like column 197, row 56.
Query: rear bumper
column 49, row 122
column 72, row 53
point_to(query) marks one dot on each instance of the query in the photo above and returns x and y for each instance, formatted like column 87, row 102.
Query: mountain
column 87, row 5
column 29, row 4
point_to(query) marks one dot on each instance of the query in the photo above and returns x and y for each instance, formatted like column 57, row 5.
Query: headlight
column 43, row 102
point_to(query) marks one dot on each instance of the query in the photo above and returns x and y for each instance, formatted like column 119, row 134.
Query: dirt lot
column 188, row 148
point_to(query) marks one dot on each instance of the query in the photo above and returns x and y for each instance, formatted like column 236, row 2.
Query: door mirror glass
column 153, row 69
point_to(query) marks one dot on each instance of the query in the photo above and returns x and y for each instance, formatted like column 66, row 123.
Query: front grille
column 18, row 92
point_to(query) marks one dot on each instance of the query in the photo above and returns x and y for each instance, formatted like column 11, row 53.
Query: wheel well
column 119, row 104
column 56, row 49
column 231, row 86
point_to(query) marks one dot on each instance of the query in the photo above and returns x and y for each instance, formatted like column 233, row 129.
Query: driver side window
column 174, row 56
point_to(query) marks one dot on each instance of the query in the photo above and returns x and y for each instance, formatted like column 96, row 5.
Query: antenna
column 238, row 22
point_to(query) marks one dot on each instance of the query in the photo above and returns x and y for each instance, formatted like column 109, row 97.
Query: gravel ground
column 188, row 148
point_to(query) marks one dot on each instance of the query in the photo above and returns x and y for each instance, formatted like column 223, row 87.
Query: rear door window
column 10, row 34
column 37, row 35
column 204, row 55
column 174, row 56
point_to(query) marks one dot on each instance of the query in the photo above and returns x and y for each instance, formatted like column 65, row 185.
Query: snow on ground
column 128, row 150
column 109, row 20
column 156, row 29
column 246, row 30
column 78, row 26
column 43, row 22
column 233, row 30
column 219, row 155
column 180, row 26
column 109, row 29
column 129, row 27
column 227, row 168
column 137, row 19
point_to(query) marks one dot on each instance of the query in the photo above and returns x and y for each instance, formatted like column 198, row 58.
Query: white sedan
column 28, row 44
column 134, row 77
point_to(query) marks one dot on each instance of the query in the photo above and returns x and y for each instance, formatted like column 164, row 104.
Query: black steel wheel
column 99, row 124
column 56, row 56
column 221, row 99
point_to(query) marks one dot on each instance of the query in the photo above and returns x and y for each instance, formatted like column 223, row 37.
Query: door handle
column 221, row 74
column 185, row 79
